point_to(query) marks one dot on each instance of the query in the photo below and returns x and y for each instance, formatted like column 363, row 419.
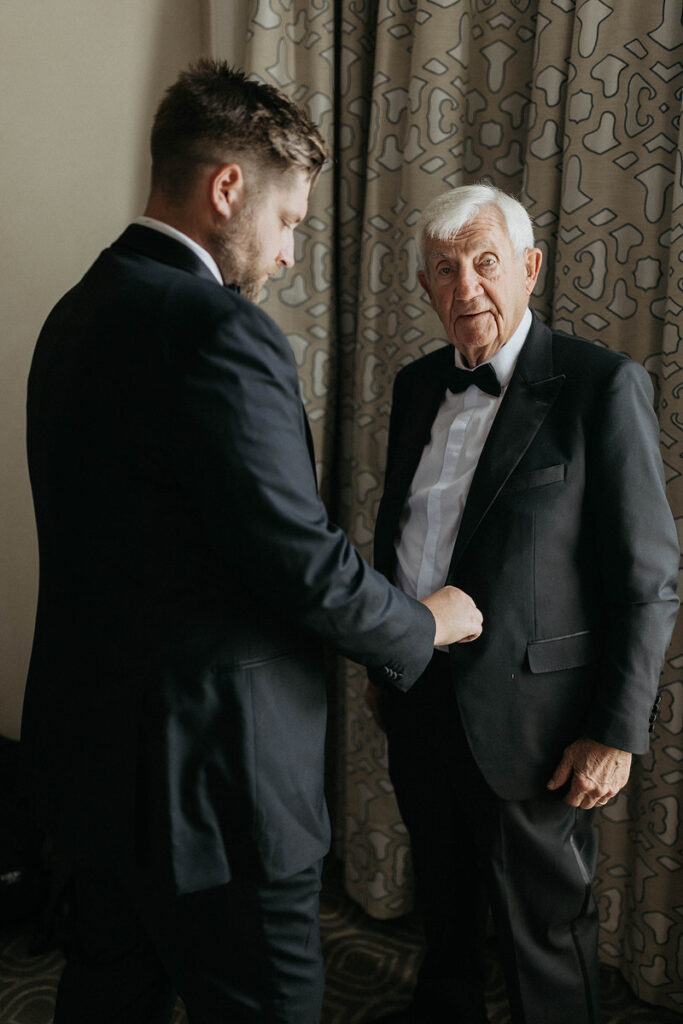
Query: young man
column 175, row 709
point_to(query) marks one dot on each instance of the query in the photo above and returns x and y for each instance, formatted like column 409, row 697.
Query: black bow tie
column 484, row 377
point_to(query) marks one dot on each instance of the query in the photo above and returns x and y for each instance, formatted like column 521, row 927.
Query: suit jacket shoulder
column 570, row 350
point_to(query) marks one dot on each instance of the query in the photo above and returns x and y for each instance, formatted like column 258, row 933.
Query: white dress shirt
column 166, row 229
column 431, row 515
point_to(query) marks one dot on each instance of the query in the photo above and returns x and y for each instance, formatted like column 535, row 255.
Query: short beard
column 236, row 253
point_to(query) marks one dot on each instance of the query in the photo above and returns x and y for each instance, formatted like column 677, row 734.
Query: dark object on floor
column 408, row 1016
column 400, row 1017
column 20, row 842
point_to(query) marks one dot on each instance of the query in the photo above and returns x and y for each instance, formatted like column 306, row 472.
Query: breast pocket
column 524, row 481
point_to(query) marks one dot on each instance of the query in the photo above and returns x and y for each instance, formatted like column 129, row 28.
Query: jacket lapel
column 405, row 450
column 529, row 397
column 416, row 427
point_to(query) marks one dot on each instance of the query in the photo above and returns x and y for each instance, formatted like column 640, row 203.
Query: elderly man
column 175, row 710
column 523, row 464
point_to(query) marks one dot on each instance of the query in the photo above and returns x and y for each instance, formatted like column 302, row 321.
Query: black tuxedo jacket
column 567, row 545
column 175, row 707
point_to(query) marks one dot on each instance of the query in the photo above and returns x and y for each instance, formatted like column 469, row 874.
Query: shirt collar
column 166, row 229
column 505, row 359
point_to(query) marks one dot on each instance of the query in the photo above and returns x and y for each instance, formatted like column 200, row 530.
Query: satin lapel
column 529, row 397
column 416, row 423
column 309, row 442
column 413, row 433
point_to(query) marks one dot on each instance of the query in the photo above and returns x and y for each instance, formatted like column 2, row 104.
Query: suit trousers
column 530, row 861
column 240, row 953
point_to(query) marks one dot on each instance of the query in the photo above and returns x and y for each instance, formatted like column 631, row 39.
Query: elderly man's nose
column 466, row 282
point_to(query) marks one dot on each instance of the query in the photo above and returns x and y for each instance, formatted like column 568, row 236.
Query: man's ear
column 532, row 264
column 422, row 278
column 227, row 187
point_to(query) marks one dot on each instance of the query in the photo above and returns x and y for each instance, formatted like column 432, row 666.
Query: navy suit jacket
column 175, row 706
column 566, row 544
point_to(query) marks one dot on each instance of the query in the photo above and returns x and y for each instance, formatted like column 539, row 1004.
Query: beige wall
column 79, row 81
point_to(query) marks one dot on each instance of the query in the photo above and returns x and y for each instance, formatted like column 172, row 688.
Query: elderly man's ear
column 532, row 259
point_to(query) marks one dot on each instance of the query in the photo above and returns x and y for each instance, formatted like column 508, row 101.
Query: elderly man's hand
column 597, row 773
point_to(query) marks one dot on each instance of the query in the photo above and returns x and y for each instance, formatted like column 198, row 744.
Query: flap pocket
column 562, row 651
column 535, row 478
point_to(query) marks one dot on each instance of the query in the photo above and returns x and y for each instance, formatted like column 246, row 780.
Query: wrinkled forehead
column 485, row 230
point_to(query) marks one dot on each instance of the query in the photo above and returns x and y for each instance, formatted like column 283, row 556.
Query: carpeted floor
column 370, row 965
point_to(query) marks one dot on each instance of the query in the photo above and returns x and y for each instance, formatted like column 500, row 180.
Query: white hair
column 446, row 215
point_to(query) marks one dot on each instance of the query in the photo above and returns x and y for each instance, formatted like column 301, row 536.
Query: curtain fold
column 574, row 105
column 291, row 46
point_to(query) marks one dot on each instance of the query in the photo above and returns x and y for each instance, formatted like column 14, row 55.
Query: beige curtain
column 576, row 106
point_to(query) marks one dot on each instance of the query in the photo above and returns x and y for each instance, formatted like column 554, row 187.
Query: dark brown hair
column 212, row 114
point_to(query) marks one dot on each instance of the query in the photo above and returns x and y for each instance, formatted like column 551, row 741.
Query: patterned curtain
column 575, row 105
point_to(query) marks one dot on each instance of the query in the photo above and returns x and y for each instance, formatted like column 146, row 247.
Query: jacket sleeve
column 242, row 431
column 638, row 554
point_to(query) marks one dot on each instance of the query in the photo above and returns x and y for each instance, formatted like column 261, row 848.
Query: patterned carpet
column 370, row 965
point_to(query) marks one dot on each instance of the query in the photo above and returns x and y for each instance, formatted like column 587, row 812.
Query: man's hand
column 458, row 620
column 597, row 773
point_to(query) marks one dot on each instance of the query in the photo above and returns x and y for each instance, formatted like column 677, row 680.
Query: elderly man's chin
column 474, row 342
